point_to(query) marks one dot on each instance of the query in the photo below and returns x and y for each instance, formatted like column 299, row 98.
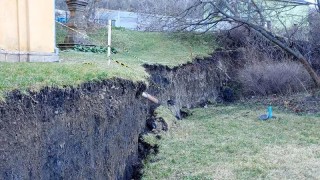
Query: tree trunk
column 310, row 70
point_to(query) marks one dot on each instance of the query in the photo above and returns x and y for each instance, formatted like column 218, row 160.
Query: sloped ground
column 133, row 49
column 229, row 142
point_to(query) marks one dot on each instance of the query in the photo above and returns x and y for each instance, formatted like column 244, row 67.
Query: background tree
column 249, row 13
column 92, row 8
column 207, row 14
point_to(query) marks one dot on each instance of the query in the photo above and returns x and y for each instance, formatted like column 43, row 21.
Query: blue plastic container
column 269, row 112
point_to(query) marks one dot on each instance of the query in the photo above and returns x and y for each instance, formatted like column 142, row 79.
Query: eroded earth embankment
column 92, row 131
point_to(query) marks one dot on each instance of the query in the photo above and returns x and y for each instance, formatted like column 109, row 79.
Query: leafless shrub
column 256, row 47
column 314, row 25
column 274, row 78
column 262, row 68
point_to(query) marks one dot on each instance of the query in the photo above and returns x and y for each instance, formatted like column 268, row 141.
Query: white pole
column 109, row 41
column 118, row 23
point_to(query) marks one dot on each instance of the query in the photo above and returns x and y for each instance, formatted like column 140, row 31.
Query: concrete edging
column 9, row 56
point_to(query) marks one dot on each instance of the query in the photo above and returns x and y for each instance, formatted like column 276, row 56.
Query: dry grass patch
column 292, row 161
column 229, row 142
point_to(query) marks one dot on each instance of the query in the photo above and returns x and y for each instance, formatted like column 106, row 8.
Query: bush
column 254, row 45
column 93, row 49
column 274, row 78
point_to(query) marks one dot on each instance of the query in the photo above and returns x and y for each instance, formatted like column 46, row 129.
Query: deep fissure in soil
column 93, row 131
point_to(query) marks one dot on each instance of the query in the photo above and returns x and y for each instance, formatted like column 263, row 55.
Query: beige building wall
column 27, row 30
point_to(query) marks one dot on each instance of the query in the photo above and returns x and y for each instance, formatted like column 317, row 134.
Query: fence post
column 118, row 24
column 109, row 40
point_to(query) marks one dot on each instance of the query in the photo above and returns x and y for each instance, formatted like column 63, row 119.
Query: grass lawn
column 134, row 49
column 229, row 142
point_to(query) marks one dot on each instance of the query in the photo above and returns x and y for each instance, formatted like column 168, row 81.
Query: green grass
column 167, row 116
column 134, row 49
column 229, row 142
column 34, row 76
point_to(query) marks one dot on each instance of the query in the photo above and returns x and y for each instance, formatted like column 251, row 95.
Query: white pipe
column 151, row 98
column 109, row 40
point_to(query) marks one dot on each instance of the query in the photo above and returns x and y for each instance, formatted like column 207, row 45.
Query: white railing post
column 109, row 40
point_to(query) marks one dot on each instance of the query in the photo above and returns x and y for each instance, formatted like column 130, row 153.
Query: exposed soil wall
column 92, row 132
column 189, row 85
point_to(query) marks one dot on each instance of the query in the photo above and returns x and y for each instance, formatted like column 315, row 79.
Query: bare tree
column 248, row 13
column 92, row 7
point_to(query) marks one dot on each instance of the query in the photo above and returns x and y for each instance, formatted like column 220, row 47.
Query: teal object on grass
column 268, row 115
column 269, row 112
